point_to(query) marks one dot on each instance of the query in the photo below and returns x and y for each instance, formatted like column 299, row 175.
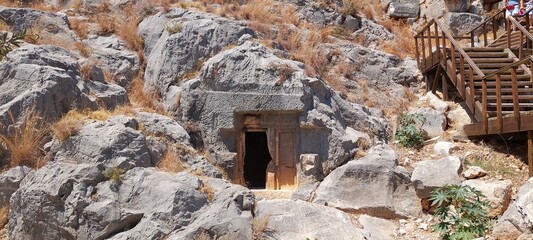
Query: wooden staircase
column 495, row 79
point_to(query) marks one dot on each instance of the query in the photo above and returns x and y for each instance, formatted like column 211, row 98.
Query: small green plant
column 10, row 40
column 409, row 135
column 114, row 173
column 461, row 211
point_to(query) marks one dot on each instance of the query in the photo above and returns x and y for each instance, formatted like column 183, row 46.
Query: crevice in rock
column 129, row 222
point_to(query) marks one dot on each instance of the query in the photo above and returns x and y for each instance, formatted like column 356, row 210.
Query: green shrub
column 461, row 212
column 8, row 41
column 408, row 134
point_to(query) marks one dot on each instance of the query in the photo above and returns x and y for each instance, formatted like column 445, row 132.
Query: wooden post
column 444, row 88
column 530, row 152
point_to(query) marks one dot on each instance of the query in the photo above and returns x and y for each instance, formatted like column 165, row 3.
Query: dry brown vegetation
column 4, row 216
column 171, row 161
column 24, row 143
column 80, row 27
column 68, row 125
column 208, row 191
column 259, row 226
column 146, row 100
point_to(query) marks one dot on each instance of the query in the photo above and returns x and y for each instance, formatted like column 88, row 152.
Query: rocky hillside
column 125, row 119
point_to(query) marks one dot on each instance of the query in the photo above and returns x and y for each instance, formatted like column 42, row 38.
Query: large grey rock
column 110, row 143
column 461, row 23
column 498, row 193
column 51, row 26
column 113, row 56
column 433, row 9
column 39, row 209
column 316, row 14
column 351, row 23
column 10, row 181
column 518, row 218
column 378, row 228
column 374, row 185
column 372, row 33
column 47, row 79
column 457, row 5
column 74, row 201
column 404, row 8
column 164, row 126
column 433, row 123
column 474, row 172
column 295, row 219
column 431, row 174
column 193, row 37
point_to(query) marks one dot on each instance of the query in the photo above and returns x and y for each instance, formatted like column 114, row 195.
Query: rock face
column 145, row 204
column 249, row 85
column 458, row 5
column 392, row 195
column 404, row 8
column 431, row 174
column 111, row 143
column 434, row 123
column 518, row 218
column 461, row 23
column 378, row 228
column 112, row 55
column 10, row 181
column 295, row 219
column 47, row 79
column 188, row 39
column 52, row 25
column 498, row 193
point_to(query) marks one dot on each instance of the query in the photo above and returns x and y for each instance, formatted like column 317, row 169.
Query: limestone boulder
column 458, row 5
column 432, row 124
column 392, row 195
column 434, row 102
column 10, row 181
column 372, row 33
column 76, row 201
column 460, row 23
column 52, row 26
column 433, row 9
column 295, row 219
column 113, row 56
column 188, row 39
column 498, row 193
column 443, row 148
column 518, row 217
column 403, row 8
column 378, row 228
column 474, row 172
column 47, row 79
column 116, row 142
column 431, row 174
column 161, row 125
column 311, row 12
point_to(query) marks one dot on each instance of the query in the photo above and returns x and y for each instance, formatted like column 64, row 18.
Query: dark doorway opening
column 256, row 159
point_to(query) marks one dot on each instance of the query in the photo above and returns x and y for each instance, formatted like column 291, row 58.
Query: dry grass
column 284, row 71
column 203, row 235
column 85, row 70
column 208, row 191
column 80, row 27
column 24, row 143
column 83, row 49
column 68, row 125
column 259, row 226
column 127, row 29
column 107, row 24
column 171, row 161
column 403, row 44
column 141, row 99
column 4, row 216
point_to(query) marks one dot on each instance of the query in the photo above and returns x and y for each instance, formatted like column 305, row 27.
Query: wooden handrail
column 489, row 19
column 492, row 19
column 523, row 32
column 509, row 66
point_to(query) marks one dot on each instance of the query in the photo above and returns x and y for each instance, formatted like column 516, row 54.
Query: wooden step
column 505, row 91
column 506, row 84
column 510, row 105
column 506, row 77
column 510, row 97
column 489, row 65
column 483, row 49
column 493, row 60
column 487, row 71
column 485, row 54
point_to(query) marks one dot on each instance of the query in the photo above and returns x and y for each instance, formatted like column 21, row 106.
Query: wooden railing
column 514, row 85
column 524, row 33
column 490, row 24
column 426, row 55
